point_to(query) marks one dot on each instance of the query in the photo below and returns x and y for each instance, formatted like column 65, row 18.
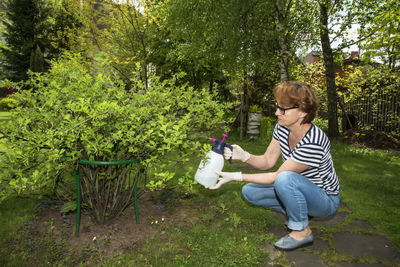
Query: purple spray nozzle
column 219, row 146
column 224, row 136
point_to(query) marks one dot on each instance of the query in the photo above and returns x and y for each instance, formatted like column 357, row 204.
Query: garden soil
column 115, row 236
column 371, row 139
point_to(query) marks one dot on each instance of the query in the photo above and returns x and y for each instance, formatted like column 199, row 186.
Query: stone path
column 338, row 241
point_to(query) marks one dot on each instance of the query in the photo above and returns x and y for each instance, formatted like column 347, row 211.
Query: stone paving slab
column 329, row 221
column 300, row 258
column 358, row 264
column 359, row 224
column 361, row 245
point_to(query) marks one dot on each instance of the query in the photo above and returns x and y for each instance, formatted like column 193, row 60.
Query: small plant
column 235, row 219
column 255, row 108
column 222, row 208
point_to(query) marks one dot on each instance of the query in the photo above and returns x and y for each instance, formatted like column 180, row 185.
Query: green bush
column 321, row 123
column 267, row 128
column 7, row 103
column 82, row 110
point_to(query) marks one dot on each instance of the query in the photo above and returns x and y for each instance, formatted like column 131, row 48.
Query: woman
column 306, row 183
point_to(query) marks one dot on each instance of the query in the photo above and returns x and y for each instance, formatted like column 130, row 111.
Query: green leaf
column 68, row 207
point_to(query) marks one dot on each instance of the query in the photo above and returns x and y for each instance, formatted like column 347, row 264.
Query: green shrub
column 7, row 103
column 82, row 112
column 267, row 128
column 321, row 123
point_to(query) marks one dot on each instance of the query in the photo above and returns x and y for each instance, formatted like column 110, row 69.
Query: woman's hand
column 236, row 153
column 226, row 178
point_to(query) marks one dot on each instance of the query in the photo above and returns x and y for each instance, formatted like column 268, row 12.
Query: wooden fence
column 377, row 112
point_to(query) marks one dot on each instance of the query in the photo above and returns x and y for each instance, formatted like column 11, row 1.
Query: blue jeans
column 293, row 195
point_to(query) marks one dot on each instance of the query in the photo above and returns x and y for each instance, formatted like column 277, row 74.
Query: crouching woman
column 306, row 183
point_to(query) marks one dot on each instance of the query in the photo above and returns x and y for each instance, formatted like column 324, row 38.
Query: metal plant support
column 111, row 188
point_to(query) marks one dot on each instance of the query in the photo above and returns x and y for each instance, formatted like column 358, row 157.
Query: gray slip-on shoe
column 289, row 243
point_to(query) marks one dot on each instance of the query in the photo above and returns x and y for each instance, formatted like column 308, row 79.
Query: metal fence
column 376, row 112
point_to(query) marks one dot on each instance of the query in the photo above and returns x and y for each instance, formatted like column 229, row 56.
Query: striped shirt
column 313, row 150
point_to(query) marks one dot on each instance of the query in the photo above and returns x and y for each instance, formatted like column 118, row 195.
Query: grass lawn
column 371, row 186
column 229, row 232
column 4, row 115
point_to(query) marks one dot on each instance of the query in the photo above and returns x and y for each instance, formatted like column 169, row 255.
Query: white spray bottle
column 213, row 162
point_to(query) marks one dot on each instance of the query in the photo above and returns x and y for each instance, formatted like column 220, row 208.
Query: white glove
column 237, row 153
column 226, row 178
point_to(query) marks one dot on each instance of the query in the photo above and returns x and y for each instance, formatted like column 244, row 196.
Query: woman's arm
column 269, row 178
column 259, row 178
column 269, row 159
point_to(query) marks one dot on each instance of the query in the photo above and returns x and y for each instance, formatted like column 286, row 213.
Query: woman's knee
column 284, row 178
column 247, row 191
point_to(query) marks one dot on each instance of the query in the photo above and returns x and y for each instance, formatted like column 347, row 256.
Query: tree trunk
column 330, row 71
column 284, row 60
column 241, row 115
column 243, row 108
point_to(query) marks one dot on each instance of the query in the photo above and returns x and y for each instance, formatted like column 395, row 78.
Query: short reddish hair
column 300, row 94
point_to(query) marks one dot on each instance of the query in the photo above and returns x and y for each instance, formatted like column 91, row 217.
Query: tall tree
column 2, row 43
column 295, row 28
column 325, row 5
column 333, row 21
column 237, row 37
column 25, row 29
column 283, row 14
column 123, row 30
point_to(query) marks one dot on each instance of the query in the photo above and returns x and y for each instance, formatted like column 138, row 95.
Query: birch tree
column 379, row 32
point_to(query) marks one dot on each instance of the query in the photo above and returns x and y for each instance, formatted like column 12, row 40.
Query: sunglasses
column 283, row 110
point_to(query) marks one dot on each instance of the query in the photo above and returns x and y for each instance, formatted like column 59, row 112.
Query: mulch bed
column 371, row 139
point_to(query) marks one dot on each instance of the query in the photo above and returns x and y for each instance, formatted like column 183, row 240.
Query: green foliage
column 267, row 128
column 25, row 29
column 255, row 108
column 67, row 207
column 7, row 103
column 53, row 26
column 371, row 80
column 321, row 123
column 372, row 91
column 125, row 35
column 379, row 30
column 4, row 116
column 82, row 112
column 67, row 27
column 314, row 75
column 223, row 42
